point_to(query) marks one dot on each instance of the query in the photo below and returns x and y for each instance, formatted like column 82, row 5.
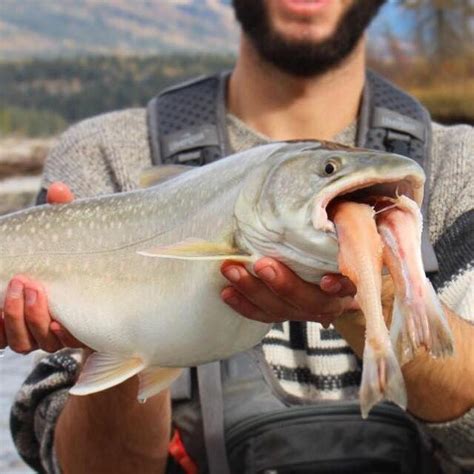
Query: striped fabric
column 312, row 362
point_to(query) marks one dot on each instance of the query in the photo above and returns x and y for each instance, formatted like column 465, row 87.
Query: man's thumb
column 59, row 193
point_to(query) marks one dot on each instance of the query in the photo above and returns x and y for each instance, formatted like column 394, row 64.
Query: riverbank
column 21, row 163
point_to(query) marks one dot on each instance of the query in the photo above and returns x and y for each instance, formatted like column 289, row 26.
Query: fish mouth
column 376, row 191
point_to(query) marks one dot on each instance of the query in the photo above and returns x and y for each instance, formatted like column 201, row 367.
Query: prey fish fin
column 102, row 371
column 197, row 249
column 442, row 342
column 382, row 379
column 155, row 379
column 159, row 174
column 422, row 325
column 402, row 332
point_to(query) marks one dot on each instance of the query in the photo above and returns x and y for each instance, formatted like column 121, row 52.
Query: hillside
column 41, row 97
column 32, row 28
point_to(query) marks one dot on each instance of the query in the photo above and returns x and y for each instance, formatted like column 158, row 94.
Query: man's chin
column 304, row 49
column 296, row 31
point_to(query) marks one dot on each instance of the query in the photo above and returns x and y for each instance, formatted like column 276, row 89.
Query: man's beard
column 304, row 58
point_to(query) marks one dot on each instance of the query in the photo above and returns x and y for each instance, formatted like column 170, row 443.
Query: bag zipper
column 387, row 413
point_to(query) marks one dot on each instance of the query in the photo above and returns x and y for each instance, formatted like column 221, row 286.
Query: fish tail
column 441, row 338
column 403, row 332
column 382, row 379
column 420, row 324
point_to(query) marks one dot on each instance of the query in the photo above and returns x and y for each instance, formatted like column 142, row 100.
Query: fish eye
column 331, row 167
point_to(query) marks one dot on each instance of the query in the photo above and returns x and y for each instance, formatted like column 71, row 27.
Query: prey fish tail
column 360, row 259
column 418, row 319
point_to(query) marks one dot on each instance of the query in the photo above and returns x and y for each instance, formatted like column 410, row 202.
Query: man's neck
column 285, row 107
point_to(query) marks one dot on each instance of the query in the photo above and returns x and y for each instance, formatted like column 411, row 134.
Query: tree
column 445, row 28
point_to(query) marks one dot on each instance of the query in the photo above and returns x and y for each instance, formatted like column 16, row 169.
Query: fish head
column 283, row 209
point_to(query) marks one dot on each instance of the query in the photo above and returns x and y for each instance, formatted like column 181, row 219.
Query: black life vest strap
column 187, row 122
column 396, row 122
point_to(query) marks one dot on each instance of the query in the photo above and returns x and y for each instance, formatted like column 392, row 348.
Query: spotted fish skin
column 144, row 314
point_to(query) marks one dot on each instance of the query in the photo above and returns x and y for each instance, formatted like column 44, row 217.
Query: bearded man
column 300, row 74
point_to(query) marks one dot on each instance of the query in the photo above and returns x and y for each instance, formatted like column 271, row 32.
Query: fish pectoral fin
column 159, row 174
column 382, row 379
column 155, row 379
column 197, row 249
column 102, row 371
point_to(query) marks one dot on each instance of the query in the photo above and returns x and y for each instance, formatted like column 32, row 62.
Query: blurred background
column 65, row 60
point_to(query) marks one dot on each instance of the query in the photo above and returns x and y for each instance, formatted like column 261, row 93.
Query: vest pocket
column 328, row 438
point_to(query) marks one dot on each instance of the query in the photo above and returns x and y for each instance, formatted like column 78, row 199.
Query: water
column 13, row 370
column 15, row 193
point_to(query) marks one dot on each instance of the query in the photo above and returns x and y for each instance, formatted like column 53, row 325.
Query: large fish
column 116, row 267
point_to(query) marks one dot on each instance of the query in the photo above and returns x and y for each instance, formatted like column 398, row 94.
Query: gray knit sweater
column 106, row 154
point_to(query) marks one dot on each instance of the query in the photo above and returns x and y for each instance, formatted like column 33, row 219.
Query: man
column 299, row 75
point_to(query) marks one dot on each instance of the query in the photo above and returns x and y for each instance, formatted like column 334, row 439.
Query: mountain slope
column 68, row 27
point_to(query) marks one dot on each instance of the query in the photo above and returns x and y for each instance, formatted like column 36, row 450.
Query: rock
column 23, row 156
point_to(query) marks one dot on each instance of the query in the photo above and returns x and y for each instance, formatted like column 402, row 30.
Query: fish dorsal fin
column 198, row 249
column 155, row 379
column 159, row 174
column 102, row 371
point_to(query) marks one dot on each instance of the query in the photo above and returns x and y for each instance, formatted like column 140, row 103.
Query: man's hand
column 27, row 324
column 437, row 389
column 278, row 294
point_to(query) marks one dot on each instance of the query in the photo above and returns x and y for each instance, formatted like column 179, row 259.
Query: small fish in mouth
column 391, row 237
column 418, row 318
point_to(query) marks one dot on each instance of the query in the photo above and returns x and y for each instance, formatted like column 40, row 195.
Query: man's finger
column 3, row 336
column 259, row 294
column 38, row 318
column 243, row 306
column 337, row 285
column 66, row 338
column 305, row 296
column 59, row 193
column 18, row 337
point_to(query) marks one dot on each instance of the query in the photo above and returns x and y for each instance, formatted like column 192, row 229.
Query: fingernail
column 30, row 296
column 232, row 274
column 16, row 289
column 232, row 300
column 332, row 286
column 267, row 273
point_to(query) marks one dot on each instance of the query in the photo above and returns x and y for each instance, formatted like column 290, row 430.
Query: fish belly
column 167, row 312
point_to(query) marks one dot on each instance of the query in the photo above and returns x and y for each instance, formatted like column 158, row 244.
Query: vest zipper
column 387, row 413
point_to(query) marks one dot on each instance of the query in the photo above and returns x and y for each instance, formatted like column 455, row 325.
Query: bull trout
column 117, row 272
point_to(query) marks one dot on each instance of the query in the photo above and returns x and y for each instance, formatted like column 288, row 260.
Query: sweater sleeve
column 452, row 230
column 37, row 406
column 101, row 155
